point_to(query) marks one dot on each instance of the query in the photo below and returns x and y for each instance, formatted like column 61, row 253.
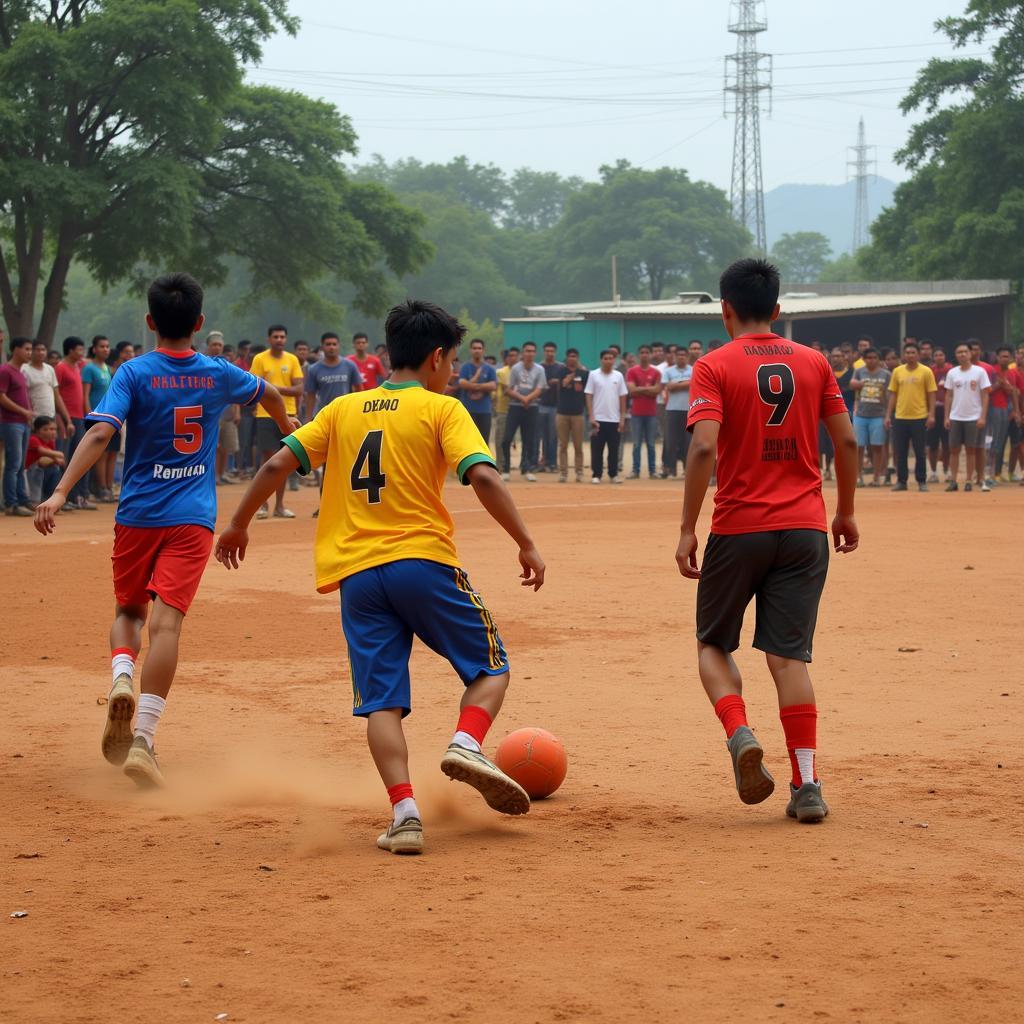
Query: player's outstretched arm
column 272, row 474
column 87, row 454
column 274, row 405
column 845, row 534
column 495, row 497
column 700, row 464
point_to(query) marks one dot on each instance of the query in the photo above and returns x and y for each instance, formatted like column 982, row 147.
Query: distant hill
column 825, row 208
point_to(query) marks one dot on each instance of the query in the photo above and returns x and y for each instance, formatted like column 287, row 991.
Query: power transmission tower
column 748, row 76
column 862, row 164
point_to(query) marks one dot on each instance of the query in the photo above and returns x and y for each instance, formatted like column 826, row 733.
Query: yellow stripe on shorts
column 495, row 653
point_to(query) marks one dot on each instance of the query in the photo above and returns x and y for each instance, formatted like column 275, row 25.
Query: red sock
column 800, row 724
column 732, row 713
column 403, row 791
column 474, row 721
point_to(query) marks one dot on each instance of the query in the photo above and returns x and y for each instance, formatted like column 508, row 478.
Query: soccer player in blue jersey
column 171, row 401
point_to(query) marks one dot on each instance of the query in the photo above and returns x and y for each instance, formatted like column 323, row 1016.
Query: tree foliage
column 802, row 255
column 664, row 229
column 961, row 214
column 132, row 142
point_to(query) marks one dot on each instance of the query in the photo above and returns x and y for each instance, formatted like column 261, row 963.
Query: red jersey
column 769, row 395
column 644, row 405
column 372, row 370
column 69, row 385
column 1000, row 399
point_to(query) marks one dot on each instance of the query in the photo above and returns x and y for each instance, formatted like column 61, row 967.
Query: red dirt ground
column 642, row 891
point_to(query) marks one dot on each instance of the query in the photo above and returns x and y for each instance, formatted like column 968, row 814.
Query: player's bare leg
column 464, row 760
column 125, row 643
column 390, row 753
column 157, row 676
column 723, row 684
column 799, row 714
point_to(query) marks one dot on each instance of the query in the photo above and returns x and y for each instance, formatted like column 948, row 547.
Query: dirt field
column 642, row 891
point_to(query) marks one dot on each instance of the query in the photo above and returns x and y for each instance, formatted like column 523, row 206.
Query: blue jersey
column 171, row 404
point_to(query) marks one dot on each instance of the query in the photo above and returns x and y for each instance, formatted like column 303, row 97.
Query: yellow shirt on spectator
column 912, row 389
column 500, row 395
column 386, row 453
column 282, row 373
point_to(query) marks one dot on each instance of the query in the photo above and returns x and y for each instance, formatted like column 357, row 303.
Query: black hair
column 175, row 304
column 550, row 344
column 38, row 341
column 1004, row 348
column 751, row 287
column 301, row 342
column 98, row 338
column 18, row 341
column 473, row 341
column 42, row 421
column 871, row 351
column 911, row 344
column 607, row 352
column 572, row 352
column 329, row 334
column 363, row 334
column 695, row 341
column 70, row 344
column 245, row 341
column 415, row 328
column 962, row 344
column 273, row 328
column 51, row 353
column 715, row 343
column 886, row 352
column 121, row 346
column 971, row 342
column 616, row 348
column 866, row 337
column 648, row 347
column 530, row 344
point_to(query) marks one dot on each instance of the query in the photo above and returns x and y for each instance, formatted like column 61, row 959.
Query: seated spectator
column 44, row 461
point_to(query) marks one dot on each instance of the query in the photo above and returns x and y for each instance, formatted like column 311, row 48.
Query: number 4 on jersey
column 369, row 456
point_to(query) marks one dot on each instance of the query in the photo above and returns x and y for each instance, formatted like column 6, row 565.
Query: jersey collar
column 391, row 386
column 187, row 353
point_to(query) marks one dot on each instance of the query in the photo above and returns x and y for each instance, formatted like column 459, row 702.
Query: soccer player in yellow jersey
column 385, row 539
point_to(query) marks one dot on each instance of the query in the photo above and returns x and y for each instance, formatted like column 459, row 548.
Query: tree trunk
column 53, row 296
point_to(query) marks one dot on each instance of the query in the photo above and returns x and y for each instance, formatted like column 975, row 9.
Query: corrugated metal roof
column 792, row 308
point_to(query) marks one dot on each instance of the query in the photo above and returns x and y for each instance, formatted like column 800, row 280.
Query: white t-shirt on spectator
column 41, row 383
column 607, row 389
column 966, row 387
column 661, row 368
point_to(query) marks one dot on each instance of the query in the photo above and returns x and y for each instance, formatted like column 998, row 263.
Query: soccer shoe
column 806, row 804
column 404, row 837
column 500, row 792
column 117, row 731
column 753, row 783
column 141, row 767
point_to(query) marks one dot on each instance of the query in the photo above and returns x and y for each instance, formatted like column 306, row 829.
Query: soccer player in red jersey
column 756, row 403
column 370, row 366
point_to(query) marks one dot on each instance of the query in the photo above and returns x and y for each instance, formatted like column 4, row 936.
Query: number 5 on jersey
column 188, row 429
column 368, row 456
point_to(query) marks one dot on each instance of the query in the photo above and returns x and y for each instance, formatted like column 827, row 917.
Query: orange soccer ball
column 535, row 759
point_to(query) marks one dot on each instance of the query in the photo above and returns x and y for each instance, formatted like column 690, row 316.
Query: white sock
column 805, row 762
column 151, row 707
column 406, row 809
column 463, row 739
column 122, row 665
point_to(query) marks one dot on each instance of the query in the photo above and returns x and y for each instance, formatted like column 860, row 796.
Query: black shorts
column 268, row 435
column 784, row 569
column 937, row 435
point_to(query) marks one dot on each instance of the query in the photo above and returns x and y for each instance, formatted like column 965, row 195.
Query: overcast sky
column 567, row 85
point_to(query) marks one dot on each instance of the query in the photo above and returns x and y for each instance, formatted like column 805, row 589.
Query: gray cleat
column 806, row 803
column 753, row 783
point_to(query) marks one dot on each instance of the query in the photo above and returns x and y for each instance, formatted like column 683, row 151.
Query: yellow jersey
column 912, row 389
column 500, row 394
column 282, row 373
column 386, row 452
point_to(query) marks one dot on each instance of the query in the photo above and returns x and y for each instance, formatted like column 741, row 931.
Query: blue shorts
column 870, row 431
column 384, row 607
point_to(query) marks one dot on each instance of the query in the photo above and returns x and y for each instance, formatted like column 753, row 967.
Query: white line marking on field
column 583, row 505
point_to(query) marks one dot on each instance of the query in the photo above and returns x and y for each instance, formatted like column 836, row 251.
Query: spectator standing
column 676, row 380
column 15, row 419
column 1017, row 423
column 69, row 384
column 863, row 343
column 331, row 377
column 938, row 436
column 53, row 357
column 107, row 465
column 606, row 393
column 43, row 392
column 696, row 350
column 842, row 368
column 526, row 382
column 572, row 402
column 95, row 384
column 547, row 410
column 870, row 385
column 643, row 383
column 927, row 354
column 968, row 387
column 227, row 429
column 244, row 359
column 1002, row 406
column 369, row 365
column 280, row 368
column 477, row 383
column 509, row 359
column 44, row 462
column 911, row 413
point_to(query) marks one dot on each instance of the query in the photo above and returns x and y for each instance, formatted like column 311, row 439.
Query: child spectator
column 44, row 461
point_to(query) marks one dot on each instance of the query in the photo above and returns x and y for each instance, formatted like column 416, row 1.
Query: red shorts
column 161, row 561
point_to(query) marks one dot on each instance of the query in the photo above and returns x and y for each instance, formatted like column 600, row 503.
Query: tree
column 663, row 228
column 961, row 214
column 537, row 199
column 844, row 268
column 132, row 143
column 801, row 256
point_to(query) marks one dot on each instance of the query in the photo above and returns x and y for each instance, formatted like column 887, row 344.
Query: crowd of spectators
column 911, row 400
